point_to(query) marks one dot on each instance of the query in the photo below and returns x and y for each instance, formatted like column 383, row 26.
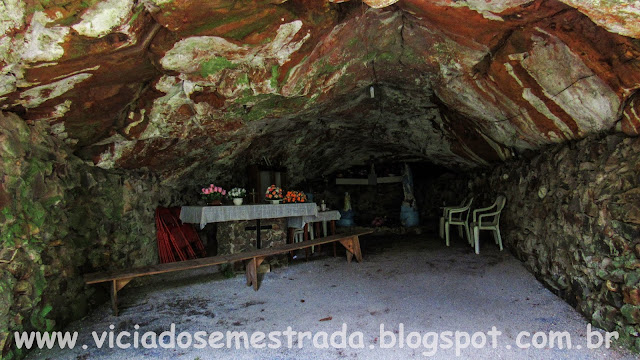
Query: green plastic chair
column 488, row 219
column 459, row 217
column 445, row 216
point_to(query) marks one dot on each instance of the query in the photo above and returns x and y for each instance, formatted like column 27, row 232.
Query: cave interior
column 111, row 109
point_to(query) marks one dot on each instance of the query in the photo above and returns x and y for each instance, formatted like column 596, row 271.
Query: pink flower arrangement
column 213, row 193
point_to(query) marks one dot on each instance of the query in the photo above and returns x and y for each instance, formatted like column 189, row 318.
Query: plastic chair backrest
column 464, row 201
column 468, row 208
column 500, row 202
column 499, row 205
column 462, row 213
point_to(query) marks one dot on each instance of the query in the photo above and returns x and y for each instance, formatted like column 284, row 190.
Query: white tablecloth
column 298, row 222
column 209, row 214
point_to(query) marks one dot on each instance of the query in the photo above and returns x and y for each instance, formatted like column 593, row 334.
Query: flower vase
column 276, row 201
column 217, row 202
column 237, row 201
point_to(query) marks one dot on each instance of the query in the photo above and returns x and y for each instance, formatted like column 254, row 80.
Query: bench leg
column 316, row 231
column 333, row 232
column 306, row 238
column 117, row 285
column 352, row 245
column 252, row 272
column 356, row 244
column 114, row 297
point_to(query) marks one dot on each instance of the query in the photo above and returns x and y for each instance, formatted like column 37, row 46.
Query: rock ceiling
column 198, row 89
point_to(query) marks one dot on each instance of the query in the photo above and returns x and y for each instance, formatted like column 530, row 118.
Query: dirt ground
column 413, row 285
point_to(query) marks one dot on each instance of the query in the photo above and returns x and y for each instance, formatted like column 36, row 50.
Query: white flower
column 237, row 192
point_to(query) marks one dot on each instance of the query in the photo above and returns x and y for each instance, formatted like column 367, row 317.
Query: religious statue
column 409, row 210
column 346, row 215
column 347, row 202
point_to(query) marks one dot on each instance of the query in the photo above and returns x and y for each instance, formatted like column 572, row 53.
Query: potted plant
column 273, row 194
column 237, row 194
column 213, row 194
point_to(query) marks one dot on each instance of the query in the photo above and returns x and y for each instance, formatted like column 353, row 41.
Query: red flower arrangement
column 273, row 193
column 295, row 197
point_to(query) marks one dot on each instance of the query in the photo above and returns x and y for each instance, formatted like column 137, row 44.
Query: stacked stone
column 573, row 217
column 233, row 237
column 60, row 218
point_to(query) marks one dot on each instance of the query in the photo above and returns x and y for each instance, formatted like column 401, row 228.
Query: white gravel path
column 410, row 280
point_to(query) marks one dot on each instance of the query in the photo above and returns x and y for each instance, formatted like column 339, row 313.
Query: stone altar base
column 233, row 237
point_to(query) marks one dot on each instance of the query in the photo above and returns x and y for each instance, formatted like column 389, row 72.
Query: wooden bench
column 121, row 278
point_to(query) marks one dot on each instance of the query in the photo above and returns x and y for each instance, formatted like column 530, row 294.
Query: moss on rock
column 212, row 66
column 58, row 226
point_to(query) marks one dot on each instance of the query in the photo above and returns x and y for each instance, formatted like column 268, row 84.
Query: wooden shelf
column 363, row 181
column 389, row 179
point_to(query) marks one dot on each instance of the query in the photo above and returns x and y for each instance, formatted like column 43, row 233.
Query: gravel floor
column 410, row 280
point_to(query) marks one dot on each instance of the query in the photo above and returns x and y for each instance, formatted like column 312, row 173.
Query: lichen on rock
column 103, row 17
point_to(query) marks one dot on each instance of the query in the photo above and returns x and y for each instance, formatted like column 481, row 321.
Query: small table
column 211, row 214
column 321, row 216
column 303, row 222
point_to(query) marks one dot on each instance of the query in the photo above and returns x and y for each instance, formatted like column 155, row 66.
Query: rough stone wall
column 432, row 192
column 573, row 217
column 60, row 218
column 233, row 238
column 367, row 202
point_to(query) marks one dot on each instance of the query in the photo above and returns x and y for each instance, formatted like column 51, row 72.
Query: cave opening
column 156, row 154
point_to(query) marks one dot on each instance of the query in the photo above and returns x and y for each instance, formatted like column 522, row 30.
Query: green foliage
column 10, row 234
column 215, row 65
column 49, row 325
column 9, row 356
column 6, row 212
column 39, row 284
column 37, row 213
column 37, row 320
column 46, row 310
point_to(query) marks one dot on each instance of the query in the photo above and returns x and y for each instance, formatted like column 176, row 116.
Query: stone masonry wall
column 233, row 238
column 367, row 202
column 59, row 219
column 573, row 217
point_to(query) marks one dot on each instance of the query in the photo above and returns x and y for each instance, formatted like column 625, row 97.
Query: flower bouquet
column 273, row 194
column 295, row 197
column 213, row 194
column 237, row 194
